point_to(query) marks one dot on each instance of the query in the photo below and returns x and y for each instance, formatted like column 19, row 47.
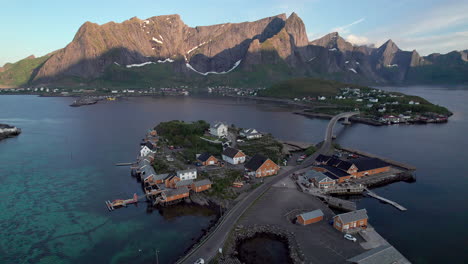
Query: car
column 350, row 237
column 199, row 261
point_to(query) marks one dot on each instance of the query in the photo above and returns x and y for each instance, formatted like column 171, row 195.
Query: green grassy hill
column 304, row 87
column 19, row 73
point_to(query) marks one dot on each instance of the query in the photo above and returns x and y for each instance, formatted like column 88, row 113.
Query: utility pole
column 157, row 257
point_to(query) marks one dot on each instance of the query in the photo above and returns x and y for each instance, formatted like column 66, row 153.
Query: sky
column 39, row 27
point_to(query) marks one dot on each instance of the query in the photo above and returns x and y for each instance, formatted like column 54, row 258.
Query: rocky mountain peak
column 390, row 46
column 334, row 42
column 296, row 28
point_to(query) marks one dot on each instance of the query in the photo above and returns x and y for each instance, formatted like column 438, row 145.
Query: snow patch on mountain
column 213, row 72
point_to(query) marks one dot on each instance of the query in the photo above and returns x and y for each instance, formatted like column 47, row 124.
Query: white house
column 233, row 156
column 189, row 174
column 114, row 91
column 373, row 100
column 147, row 149
column 250, row 133
column 219, row 129
column 321, row 98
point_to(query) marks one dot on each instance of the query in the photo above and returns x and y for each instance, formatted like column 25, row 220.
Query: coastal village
column 176, row 185
column 169, row 174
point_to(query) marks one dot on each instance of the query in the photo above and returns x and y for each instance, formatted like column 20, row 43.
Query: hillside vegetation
column 20, row 73
column 304, row 87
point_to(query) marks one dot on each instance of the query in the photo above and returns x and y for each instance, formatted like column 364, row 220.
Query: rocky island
column 7, row 131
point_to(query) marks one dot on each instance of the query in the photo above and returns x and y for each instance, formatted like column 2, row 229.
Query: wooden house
column 170, row 195
column 261, row 166
column 206, row 159
column 310, row 217
column 200, row 186
column 351, row 220
column 370, row 166
column 171, row 180
column 184, row 183
column 233, row 156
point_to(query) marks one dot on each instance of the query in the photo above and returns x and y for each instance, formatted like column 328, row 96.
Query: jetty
column 121, row 202
column 124, row 164
column 378, row 197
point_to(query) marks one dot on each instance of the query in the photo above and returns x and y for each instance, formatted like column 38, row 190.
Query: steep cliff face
column 268, row 49
column 207, row 48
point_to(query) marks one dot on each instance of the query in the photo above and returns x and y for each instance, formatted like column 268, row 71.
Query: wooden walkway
column 378, row 197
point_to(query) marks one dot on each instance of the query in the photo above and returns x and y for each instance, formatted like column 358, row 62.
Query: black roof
column 170, row 176
column 204, row 156
column 255, row 162
column 333, row 162
column 331, row 176
column 364, row 164
column 334, row 170
column 230, row 152
column 344, row 165
column 322, row 158
column 149, row 145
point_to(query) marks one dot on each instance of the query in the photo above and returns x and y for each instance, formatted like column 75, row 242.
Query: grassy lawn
column 266, row 145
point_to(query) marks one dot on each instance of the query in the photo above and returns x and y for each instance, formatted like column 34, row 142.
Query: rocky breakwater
column 241, row 234
column 8, row 131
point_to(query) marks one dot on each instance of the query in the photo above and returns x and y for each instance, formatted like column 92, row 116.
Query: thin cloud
column 345, row 29
column 357, row 40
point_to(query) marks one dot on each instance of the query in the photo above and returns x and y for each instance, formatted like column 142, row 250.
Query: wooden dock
column 124, row 164
column 378, row 197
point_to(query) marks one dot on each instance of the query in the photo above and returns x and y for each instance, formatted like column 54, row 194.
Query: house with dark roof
column 206, row 159
column 334, row 173
column 202, row 185
column 370, row 166
column 322, row 159
column 261, row 166
column 250, row 133
column 310, row 217
column 351, row 221
column 233, row 156
column 147, row 149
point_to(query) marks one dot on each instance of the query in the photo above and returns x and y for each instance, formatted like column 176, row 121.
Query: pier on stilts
column 111, row 206
column 385, row 200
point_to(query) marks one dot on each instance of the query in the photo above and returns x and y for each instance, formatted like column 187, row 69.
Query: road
column 209, row 247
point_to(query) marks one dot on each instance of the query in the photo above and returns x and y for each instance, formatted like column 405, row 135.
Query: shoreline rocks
column 7, row 131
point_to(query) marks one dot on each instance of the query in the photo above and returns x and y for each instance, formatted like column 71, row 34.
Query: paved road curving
column 209, row 247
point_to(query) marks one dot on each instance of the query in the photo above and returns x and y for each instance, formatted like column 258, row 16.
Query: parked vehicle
column 350, row 237
column 199, row 261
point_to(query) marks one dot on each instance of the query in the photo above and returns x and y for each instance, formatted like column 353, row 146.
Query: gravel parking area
column 319, row 242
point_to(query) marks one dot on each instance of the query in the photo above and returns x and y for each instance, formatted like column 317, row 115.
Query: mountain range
column 164, row 51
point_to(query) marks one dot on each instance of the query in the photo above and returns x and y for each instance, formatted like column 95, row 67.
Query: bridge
column 209, row 246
